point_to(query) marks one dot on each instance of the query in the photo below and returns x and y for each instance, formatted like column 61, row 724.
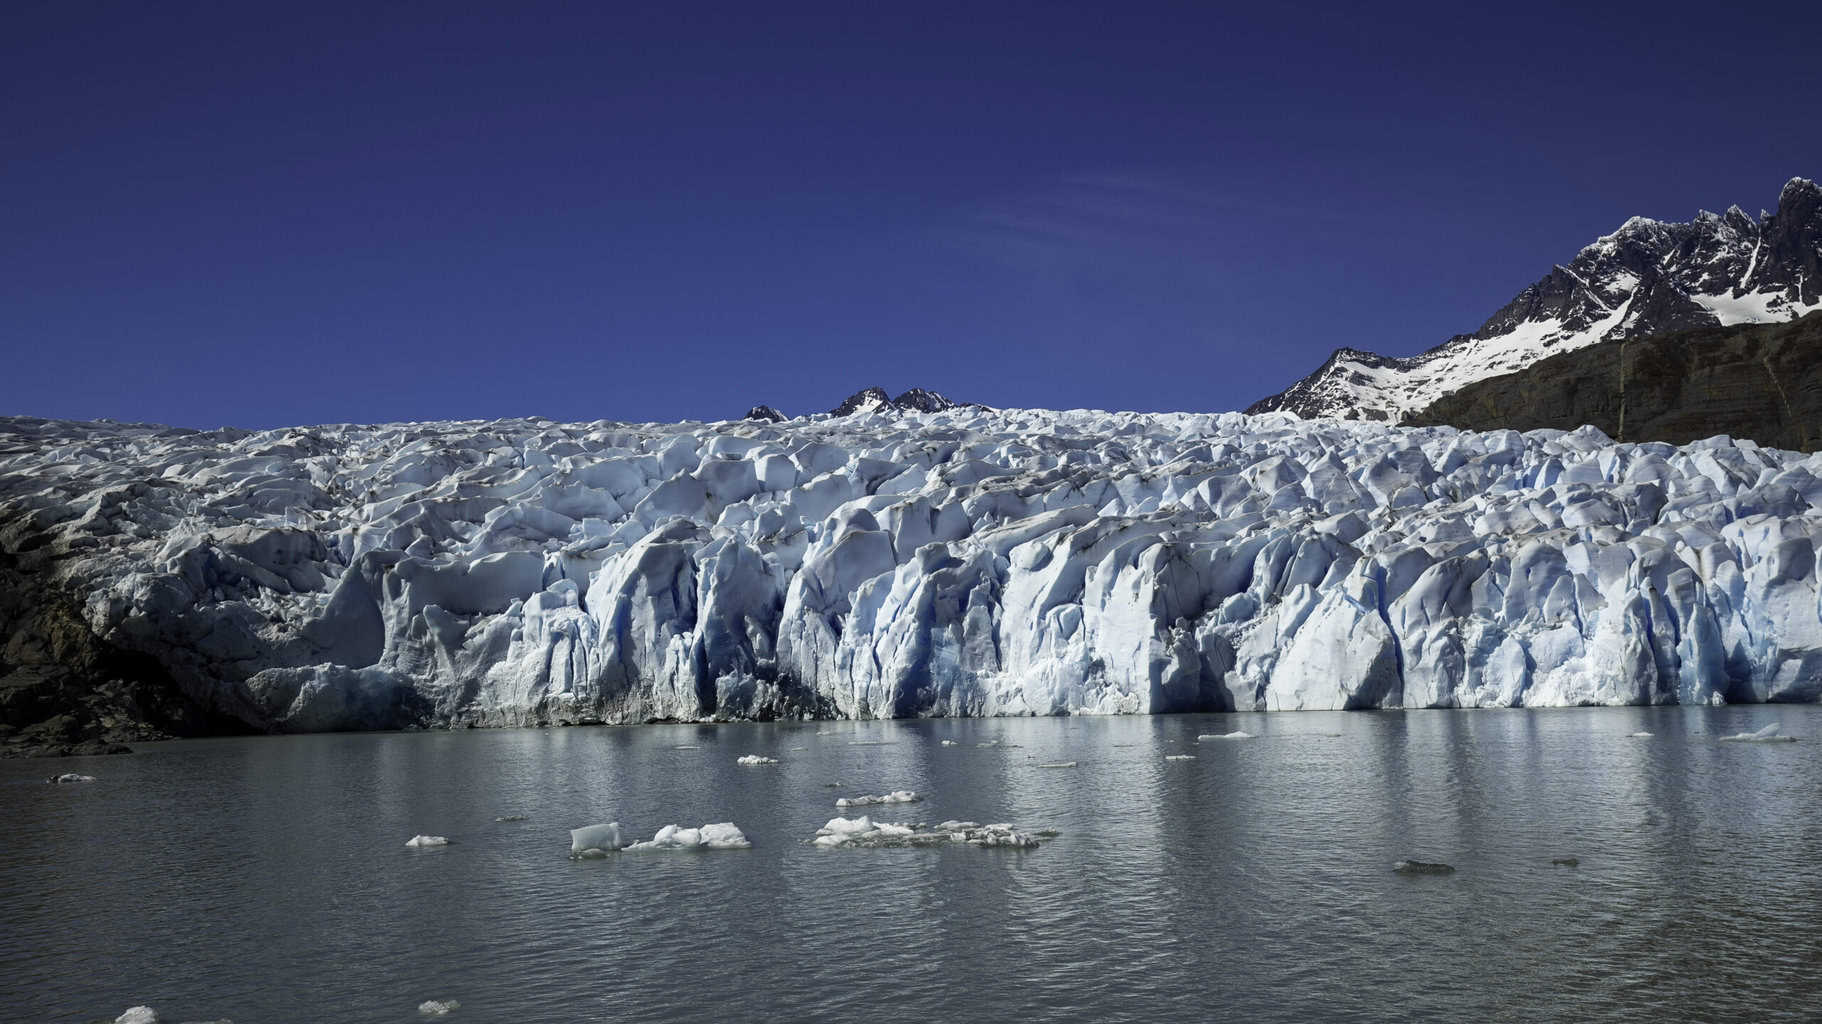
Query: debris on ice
column 865, row 832
column 897, row 796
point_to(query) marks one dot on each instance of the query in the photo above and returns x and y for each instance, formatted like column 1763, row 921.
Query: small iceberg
column 951, row 743
column 1237, row 734
column 437, row 1007
column 594, row 840
column 138, row 1015
column 897, row 796
column 720, row 836
column 67, row 777
column 867, row 833
column 1057, row 764
column 423, row 841
column 1769, row 734
column 1179, row 757
column 686, row 746
column 1640, row 735
column 1418, row 867
column 755, row 759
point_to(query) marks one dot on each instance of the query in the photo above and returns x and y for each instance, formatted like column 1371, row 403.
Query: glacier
column 908, row 564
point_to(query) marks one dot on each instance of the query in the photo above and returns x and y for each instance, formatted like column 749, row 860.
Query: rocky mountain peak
column 1647, row 277
column 876, row 399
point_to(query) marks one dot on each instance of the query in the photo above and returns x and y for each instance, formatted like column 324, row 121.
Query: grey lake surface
column 267, row 879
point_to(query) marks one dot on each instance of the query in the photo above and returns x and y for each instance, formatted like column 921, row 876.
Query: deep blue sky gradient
column 259, row 214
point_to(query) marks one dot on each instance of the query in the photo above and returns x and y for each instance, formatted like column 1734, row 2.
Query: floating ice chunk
column 865, row 832
column 897, row 796
column 951, row 743
column 1179, row 757
column 437, row 1007
column 1237, row 734
column 511, row 817
column 594, row 839
column 1769, row 734
column 1418, row 867
column 755, row 759
column 423, row 841
column 799, row 748
column 721, row 836
column 1640, row 735
column 138, row 1015
column 869, row 743
column 71, row 777
column 1057, row 764
column 686, row 746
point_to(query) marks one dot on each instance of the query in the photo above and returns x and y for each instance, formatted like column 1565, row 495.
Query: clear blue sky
column 257, row 214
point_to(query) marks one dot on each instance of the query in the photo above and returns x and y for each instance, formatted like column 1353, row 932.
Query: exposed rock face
column 1761, row 381
column 955, row 563
column 863, row 401
column 869, row 400
column 1647, row 278
column 765, row 413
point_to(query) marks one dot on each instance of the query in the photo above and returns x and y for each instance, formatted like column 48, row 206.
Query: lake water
column 268, row 879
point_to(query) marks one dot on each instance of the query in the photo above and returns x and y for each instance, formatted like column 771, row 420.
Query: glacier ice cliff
column 893, row 564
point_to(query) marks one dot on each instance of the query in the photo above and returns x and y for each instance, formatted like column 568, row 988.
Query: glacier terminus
column 895, row 563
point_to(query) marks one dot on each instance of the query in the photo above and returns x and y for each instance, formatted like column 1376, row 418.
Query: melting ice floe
column 951, row 743
column 437, row 1007
column 70, row 777
column 897, row 796
column 138, row 1015
column 755, row 759
column 600, row 840
column 1640, row 735
column 1057, row 764
column 423, row 841
column 1237, row 734
column 594, row 839
column 1769, row 734
column 865, row 832
column 720, row 836
column 1179, row 757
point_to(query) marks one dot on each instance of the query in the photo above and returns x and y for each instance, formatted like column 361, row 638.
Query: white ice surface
column 594, row 837
column 897, row 796
column 722, row 836
column 1018, row 562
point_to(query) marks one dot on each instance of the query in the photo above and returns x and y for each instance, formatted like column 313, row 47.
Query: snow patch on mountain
column 1647, row 277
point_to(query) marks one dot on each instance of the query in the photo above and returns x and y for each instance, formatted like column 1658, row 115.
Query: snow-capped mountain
column 875, row 400
column 1646, row 278
column 964, row 562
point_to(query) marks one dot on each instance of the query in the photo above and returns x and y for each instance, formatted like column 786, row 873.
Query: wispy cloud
column 1122, row 211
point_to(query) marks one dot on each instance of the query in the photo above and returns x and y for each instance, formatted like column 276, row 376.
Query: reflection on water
column 267, row 879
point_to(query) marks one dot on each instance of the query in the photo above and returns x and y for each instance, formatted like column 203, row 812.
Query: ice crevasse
column 897, row 564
